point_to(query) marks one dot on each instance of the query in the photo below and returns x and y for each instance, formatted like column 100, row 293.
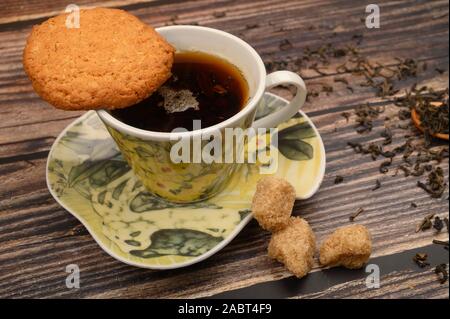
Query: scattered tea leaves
column 425, row 224
column 365, row 114
column 438, row 224
column 387, row 135
column 441, row 272
column 418, row 157
column 435, row 185
column 357, row 147
column 317, row 69
column 358, row 38
column 384, row 167
column 406, row 68
column 346, row 115
column 342, row 80
column 285, row 45
column 327, row 88
column 219, row 14
column 252, row 26
column 339, row 179
column 434, row 119
column 431, row 107
column 421, row 260
column 377, row 185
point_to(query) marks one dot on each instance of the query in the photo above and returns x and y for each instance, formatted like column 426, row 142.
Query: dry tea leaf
column 425, row 223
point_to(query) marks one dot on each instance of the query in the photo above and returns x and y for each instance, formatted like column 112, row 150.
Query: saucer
column 87, row 175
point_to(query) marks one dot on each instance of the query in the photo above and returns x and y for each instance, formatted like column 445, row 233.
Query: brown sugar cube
column 348, row 246
column 273, row 202
column 294, row 246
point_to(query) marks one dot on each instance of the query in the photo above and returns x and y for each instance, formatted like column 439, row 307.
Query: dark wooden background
column 38, row 238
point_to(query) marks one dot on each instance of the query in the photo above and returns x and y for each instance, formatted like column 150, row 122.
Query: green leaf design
column 135, row 234
column 145, row 201
column 132, row 242
column 291, row 144
column 182, row 242
column 296, row 150
column 101, row 197
column 58, row 162
column 244, row 213
column 119, row 189
column 99, row 173
column 80, row 145
column 72, row 134
column 110, row 170
column 297, row 132
column 83, row 171
column 137, row 184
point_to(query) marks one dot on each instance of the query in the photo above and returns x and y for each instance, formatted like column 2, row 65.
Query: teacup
column 148, row 152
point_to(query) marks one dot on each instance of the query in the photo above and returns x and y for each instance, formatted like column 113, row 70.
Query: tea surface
column 202, row 87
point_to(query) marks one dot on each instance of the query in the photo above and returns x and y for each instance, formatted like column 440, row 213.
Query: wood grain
column 265, row 39
column 26, row 10
column 39, row 238
column 396, row 272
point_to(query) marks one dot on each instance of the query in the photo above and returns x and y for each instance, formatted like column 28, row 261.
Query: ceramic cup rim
column 251, row 104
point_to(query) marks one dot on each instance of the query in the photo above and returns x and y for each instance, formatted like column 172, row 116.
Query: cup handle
column 287, row 112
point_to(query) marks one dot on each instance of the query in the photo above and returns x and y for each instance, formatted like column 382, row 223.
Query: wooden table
column 38, row 238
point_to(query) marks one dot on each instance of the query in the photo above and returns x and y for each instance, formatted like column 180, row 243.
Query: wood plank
column 345, row 283
column 19, row 105
column 397, row 285
column 24, row 10
column 42, row 121
column 28, row 147
column 391, row 221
